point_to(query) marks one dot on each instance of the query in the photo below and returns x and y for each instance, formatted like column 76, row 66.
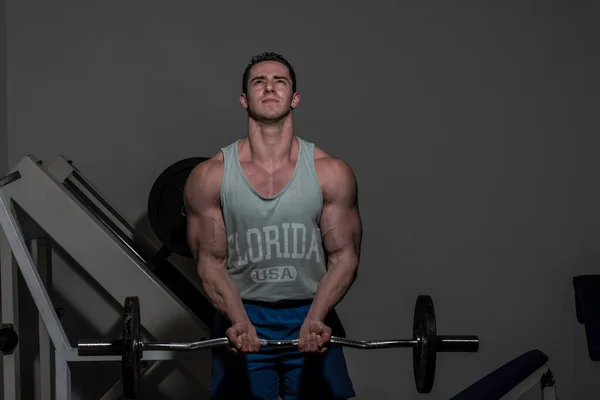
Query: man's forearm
column 222, row 292
column 334, row 285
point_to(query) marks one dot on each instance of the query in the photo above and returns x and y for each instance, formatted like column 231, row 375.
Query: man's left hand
column 314, row 336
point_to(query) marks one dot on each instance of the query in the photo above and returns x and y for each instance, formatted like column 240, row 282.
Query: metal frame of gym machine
column 50, row 196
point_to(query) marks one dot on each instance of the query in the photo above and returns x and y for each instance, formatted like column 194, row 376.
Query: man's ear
column 295, row 100
column 243, row 101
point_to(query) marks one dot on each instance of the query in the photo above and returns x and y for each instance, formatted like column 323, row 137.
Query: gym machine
column 65, row 207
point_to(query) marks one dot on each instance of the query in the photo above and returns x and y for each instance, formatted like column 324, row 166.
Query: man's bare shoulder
column 204, row 181
column 330, row 167
column 335, row 175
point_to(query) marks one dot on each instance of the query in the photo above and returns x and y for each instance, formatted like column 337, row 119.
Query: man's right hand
column 243, row 338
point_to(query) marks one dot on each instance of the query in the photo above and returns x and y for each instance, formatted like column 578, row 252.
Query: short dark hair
column 268, row 56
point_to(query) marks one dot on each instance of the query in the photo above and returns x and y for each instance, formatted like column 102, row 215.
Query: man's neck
column 270, row 144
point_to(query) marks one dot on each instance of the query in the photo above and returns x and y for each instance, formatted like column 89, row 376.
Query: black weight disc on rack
column 166, row 211
column 132, row 348
column 424, row 353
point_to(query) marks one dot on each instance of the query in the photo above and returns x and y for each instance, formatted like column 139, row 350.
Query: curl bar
column 425, row 343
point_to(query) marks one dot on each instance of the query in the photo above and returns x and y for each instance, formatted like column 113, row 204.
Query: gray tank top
column 275, row 250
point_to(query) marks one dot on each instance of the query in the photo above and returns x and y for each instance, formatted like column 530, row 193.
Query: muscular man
column 275, row 230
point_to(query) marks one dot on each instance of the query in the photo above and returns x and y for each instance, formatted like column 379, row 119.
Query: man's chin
column 269, row 118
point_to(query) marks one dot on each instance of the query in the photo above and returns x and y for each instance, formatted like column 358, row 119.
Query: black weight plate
column 424, row 353
column 8, row 339
column 166, row 211
column 132, row 351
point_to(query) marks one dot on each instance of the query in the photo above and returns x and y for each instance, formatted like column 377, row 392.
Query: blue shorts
column 270, row 373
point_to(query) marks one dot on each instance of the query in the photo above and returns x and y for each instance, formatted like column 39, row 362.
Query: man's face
column 270, row 96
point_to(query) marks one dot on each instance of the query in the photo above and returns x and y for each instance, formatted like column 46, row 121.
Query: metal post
column 31, row 276
column 42, row 252
column 10, row 314
column 63, row 376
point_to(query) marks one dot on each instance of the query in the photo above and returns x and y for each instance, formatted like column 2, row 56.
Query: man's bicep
column 206, row 233
column 341, row 224
column 342, row 228
column 205, row 226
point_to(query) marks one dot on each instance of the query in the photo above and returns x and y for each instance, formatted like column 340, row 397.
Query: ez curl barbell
column 425, row 343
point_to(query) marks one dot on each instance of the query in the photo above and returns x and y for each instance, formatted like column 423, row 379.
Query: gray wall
column 472, row 131
column 3, row 130
column 3, row 127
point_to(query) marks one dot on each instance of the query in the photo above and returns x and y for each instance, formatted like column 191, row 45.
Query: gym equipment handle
column 115, row 347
